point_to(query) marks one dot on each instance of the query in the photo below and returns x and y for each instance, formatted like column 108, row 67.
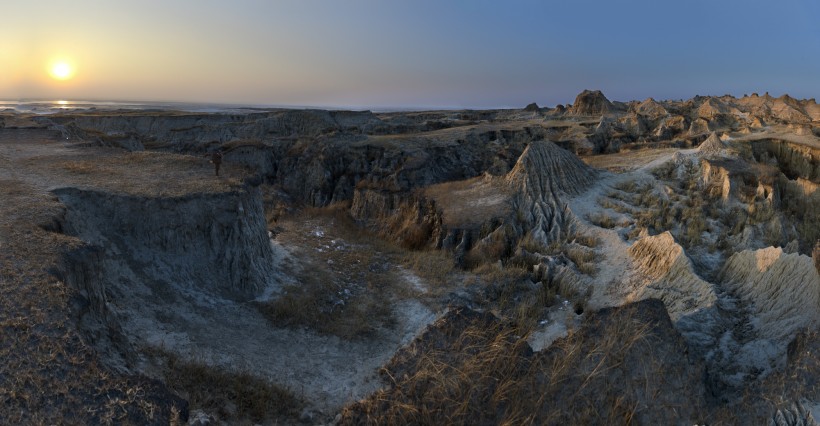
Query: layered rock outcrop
column 782, row 290
column 651, row 109
column 670, row 276
column 591, row 103
column 191, row 132
column 794, row 160
column 144, row 252
column 542, row 175
column 488, row 214
column 213, row 241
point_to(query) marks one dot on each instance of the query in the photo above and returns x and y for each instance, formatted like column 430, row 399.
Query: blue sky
column 420, row 53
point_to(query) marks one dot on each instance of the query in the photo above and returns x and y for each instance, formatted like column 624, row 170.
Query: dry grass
column 142, row 173
column 235, row 397
column 49, row 374
column 79, row 167
column 604, row 220
column 466, row 203
column 628, row 160
column 433, row 266
column 345, row 286
column 584, row 240
column 584, row 259
column 472, row 369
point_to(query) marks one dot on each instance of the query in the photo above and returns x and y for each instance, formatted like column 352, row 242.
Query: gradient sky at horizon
column 409, row 53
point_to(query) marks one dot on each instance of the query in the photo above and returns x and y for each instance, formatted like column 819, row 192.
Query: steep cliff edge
column 212, row 241
column 177, row 131
column 794, row 160
column 145, row 255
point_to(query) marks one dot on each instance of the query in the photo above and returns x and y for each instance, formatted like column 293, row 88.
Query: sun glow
column 61, row 70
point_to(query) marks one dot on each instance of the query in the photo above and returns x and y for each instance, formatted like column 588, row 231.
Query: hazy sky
column 408, row 53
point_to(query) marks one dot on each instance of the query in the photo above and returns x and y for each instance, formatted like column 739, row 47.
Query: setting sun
column 61, row 70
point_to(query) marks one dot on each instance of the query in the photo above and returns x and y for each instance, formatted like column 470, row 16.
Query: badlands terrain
column 648, row 262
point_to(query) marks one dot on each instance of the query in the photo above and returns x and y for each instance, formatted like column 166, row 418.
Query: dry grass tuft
column 79, row 167
column 603, row 220
column 434, row 266
column 233, row 397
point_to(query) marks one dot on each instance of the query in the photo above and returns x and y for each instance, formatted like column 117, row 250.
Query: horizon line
column 337, row 107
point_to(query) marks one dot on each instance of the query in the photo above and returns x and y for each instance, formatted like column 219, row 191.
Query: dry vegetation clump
column 626, row 186
column 604, row 220
column 78, row 167
column 345, row 286
column 433, row 266
column 695, row 209
column 316, row 302
column 235, row 397
column 619, row 207
column 578, row 248
column 585, row 240
column 624, row 365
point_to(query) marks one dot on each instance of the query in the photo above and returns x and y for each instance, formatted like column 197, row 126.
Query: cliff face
column 671, row 276
column 215, row 241
column 795, row 161
column 193, row 131
column 151, row 252
column 782, row 289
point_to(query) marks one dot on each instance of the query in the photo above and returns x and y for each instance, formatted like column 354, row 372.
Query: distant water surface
column 51, row 107
column 55, row 106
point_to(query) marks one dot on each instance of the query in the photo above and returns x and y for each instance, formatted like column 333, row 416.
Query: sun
column 61, row 70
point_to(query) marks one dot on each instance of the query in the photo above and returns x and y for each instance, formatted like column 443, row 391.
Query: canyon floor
column 648, row 262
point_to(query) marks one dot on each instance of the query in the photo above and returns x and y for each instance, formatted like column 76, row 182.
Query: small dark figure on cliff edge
column 216, row 158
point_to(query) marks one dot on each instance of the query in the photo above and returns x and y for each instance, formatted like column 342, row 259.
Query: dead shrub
column 415, row 236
